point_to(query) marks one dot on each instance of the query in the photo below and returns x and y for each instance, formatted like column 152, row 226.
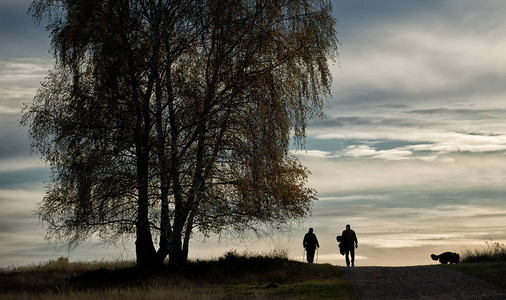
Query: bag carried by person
column 341, row 248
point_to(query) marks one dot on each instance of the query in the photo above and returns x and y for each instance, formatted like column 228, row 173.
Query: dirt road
column 418, row 282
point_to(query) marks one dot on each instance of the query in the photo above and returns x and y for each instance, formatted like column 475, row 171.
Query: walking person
column 349, row 242
column 310, row 243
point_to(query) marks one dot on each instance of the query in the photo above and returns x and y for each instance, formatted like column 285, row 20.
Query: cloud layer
column 413, row 149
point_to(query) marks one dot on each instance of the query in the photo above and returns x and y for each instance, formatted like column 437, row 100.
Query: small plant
column 62, row 263
column 279, row 253
column 494, row 251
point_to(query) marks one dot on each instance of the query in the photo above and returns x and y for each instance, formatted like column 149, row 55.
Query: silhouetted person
column 310, row 243
column 349, row 242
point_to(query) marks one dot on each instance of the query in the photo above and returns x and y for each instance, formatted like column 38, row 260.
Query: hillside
column 252, row 277
column 232, row 276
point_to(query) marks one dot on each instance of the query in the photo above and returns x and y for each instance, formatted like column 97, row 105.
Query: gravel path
column 419, row 282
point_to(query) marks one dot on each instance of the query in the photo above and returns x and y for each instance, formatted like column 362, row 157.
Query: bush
column 494, row 251
column 62, row 263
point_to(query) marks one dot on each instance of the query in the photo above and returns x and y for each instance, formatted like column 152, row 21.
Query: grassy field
column 492, row 272
column 230, row 277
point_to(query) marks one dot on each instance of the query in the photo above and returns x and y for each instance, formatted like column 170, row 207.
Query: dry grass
column 122, row 293
column 493, row 251
column 231, row 276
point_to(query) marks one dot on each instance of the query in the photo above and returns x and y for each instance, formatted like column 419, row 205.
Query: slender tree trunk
column 144, row 244
column 187, row 235
column 160, row 151
column 145, row 250
column 144, row 247
column 174, row 234
column 198, row 185
column 165, row 229
column 176, row 254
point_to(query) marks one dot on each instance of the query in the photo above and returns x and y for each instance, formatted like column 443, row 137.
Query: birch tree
column 163, row 118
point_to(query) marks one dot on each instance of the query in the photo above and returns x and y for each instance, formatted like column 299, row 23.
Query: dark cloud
column 24, row 38
column 24, row 178
column 490, row 197
column 338, row 144
column 396, row 106
column 461, row 114
column 14, row 142
column 329, row 145
column 376, row 121
column 368, row 95
column 18, row 221
column 358, row 16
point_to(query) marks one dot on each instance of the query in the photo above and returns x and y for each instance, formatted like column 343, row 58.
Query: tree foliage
column 165, row 117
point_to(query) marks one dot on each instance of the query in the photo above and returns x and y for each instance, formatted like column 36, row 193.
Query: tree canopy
column 163, row 117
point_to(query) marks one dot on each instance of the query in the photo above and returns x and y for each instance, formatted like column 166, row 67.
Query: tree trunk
column 187, row 235
column 176, row 254
column 145, row 251
column 165, row 229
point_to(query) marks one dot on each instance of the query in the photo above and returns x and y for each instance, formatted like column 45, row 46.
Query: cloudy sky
column 412, row 153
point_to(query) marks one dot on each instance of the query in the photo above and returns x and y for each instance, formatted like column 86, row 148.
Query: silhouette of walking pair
column 348, row 242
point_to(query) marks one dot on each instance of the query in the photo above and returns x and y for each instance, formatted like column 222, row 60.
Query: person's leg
column 352, row 252
column 310, row 255
column 347, row 256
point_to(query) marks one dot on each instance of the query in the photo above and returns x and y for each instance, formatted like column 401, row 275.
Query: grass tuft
column 494, row 251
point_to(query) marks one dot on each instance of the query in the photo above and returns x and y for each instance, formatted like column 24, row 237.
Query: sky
column 411, row 154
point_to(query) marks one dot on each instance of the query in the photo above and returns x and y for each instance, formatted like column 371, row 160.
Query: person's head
column 310, row 230
column 348, row 226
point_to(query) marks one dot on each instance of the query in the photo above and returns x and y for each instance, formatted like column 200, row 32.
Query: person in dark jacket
column 310, row 243
column 349, row 243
